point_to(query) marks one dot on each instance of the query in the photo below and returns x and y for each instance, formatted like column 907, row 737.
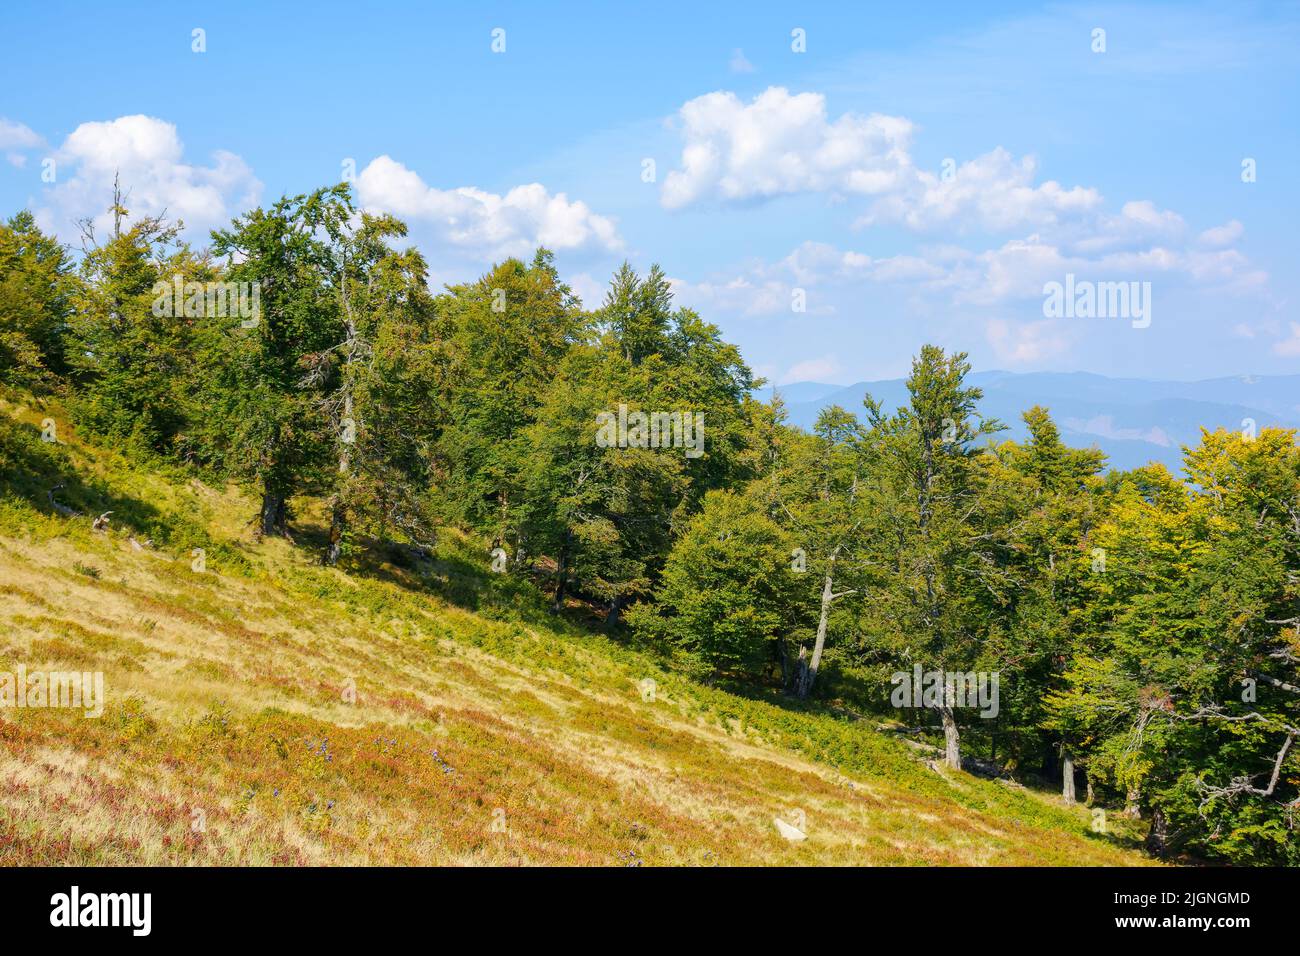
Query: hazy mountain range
column 1132, row 420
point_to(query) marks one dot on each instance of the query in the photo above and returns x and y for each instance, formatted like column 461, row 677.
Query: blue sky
column 779, row 176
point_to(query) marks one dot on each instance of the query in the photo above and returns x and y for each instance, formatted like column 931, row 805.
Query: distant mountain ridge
column 1132, row 420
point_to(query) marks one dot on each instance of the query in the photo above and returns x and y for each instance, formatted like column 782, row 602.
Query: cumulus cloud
column 780, row 144
column 147, row 155
column 16, row 139
column 481, row 223
column 992, row 192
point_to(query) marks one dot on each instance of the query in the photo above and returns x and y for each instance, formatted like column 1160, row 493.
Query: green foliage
column 729, row 595
column 258, row 423
column 131, row 360
column 36, row 289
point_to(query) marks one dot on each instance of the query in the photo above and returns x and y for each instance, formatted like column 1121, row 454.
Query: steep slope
column 261, row 709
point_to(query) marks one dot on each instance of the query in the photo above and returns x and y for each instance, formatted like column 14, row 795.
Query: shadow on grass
column 43, row 475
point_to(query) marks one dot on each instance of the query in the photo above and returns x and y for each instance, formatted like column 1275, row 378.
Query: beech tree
column 729, row 594
column 937, row 559
column 260, row 424
column 375, row 385
column 816, row 492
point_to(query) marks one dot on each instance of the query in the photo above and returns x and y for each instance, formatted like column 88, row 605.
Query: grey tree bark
column 1067, row 776
column 809, row 676
column 951, row 737
column 829, row 596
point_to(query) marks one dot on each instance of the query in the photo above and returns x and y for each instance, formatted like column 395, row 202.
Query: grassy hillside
column 482, row 729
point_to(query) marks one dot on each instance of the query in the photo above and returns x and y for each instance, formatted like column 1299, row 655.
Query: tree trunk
column 338, row 524
column 615, row 613
column 828, row 596
column 273, row 514
column 800, row 670
column 1131, row 807
column 951, row 737
column 1158, row 836
column 561, row 572
column 1067, row 776
column 1088, row 799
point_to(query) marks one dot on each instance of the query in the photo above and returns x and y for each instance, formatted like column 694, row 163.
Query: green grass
column 271, row 711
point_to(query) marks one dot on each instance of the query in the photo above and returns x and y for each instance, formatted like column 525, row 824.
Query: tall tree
column 262, row 425
column 508, row 333
column 1052, row 497
column 376, row 386
column 814, row 490
column 938, row 563
column 129, row 346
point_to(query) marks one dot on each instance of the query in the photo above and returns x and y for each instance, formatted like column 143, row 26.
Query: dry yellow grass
column 268, row 711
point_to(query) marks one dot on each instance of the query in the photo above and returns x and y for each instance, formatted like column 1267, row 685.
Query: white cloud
column 485, row 224
column 1027, row 342
column 15, row 135
column 826, row 368
column 148, row 157
column 747, row 295
column 1222, row 236
column 1140, row 224
column 16, row 139
column 781, row 144
column 769, row 288
column 817, row 262
column 992, row 192
column 1019, row 267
